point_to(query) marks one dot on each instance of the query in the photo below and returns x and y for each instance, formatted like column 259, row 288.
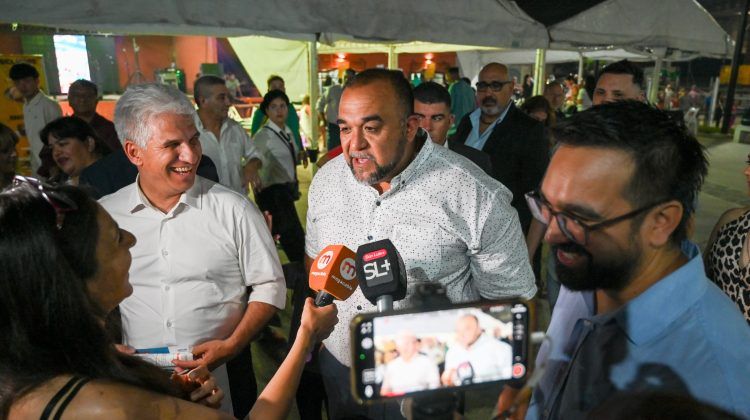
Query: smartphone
column 412, row 352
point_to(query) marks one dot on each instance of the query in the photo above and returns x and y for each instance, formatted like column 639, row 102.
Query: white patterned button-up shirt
column 450, row 221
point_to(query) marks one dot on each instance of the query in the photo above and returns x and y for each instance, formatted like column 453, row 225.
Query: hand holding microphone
column 317, row 322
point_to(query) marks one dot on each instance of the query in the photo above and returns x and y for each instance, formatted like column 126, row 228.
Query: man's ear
column 412, row 125
column 663, row 220
column 133, row 152
column 452, row 119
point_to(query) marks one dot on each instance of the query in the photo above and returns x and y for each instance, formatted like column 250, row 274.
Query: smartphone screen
column 409, row 352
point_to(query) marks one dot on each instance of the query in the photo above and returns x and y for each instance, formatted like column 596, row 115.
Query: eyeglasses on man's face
column 495, row 86
column 571, row 226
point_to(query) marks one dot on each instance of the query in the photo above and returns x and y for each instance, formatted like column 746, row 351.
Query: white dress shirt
column 418, row 374
column 191, row 267
column 228, row 152
column 37, row 113
column 278, row 164
column 450, row 221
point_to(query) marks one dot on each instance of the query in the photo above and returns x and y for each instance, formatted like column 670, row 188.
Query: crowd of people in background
column 468, row 181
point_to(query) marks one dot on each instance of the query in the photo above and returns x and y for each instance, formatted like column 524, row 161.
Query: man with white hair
column 200, row 245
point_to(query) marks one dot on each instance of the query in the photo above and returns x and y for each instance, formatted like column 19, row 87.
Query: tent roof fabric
column 675, row 24
column 492, row 23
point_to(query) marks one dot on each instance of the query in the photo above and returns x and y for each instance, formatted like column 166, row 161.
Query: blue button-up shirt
column 477, row 140
column 682, row 335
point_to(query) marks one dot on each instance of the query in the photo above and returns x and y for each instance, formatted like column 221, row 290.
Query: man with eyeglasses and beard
column 636, row 312
column 514, row 141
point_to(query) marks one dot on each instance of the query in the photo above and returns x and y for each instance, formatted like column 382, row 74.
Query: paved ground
column 725, row 188
column 725, row 185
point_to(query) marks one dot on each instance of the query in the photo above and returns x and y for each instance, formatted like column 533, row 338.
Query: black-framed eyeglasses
column 59, row 201
column 494, row 85
column 574, row 229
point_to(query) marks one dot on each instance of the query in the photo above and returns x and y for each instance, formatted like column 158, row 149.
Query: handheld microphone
column 381, row 273
column 465, row 373
column 333, row 274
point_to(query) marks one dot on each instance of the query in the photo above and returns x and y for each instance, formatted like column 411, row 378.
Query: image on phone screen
column 405, row 353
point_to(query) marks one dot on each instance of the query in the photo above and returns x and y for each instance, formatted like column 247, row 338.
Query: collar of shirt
column 477, row 140
column 139, row 201
column 653, row 311
column 36, row 99
column 272, row 125
column 202, row 129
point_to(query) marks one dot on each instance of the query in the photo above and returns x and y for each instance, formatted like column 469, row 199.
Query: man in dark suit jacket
column 515, row 142
column 432, row 105
column 114, row 171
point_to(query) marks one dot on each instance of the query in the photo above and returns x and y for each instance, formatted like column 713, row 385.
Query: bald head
column 495, row 68
column 494, row 90
column 406, row 344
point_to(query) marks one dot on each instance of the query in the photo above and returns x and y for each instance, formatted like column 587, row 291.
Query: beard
column 491, row 107
column 612, row 271
column 381, row 172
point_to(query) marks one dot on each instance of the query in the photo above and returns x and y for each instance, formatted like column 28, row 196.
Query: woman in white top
column 278, row 174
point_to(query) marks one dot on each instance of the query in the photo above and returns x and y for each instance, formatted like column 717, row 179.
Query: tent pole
column 735, row 71
column 313, row 72
column 580, row 67
column 714, row 101
column 653, row 93
column 392, row 57
column 539, row 81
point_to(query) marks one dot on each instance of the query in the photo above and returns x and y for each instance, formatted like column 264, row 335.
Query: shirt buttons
column 166, row 288
column 169, row 324
column 369, row 237
column 164, row 252
column 377, row 203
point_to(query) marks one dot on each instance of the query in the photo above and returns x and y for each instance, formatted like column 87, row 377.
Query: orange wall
column 155, row 52
column 414, row 63
column 409, row 63
column 158, row 52
column 10, row 44
column 105, row 108
column 191, row 51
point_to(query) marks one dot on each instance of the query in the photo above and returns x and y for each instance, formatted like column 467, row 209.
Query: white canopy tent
column 671, row 30
column 667, row 25
column 263, row 56
column 644, row 24
column 488, row 23
column 473, row 61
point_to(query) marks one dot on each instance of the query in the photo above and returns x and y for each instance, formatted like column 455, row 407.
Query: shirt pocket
column 421, row 247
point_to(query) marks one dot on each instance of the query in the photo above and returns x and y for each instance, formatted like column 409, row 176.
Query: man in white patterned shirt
column 200, row 246
column 451, row 222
